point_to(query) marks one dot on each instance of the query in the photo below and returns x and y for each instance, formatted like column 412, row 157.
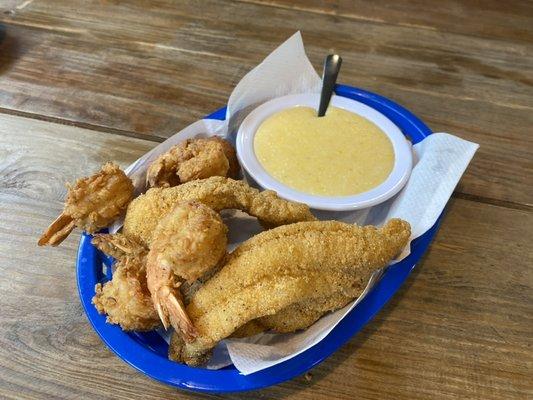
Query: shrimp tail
column 57, row 231
column 171, row 310
column 162, row 313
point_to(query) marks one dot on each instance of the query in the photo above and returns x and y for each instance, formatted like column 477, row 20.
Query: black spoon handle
column 332, row 65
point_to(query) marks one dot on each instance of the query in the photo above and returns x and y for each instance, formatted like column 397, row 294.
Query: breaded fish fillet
column 285, row 266
column 216, row 192
column 300, row 315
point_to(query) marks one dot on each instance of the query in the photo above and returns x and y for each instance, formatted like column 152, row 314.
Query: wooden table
column 82, row 82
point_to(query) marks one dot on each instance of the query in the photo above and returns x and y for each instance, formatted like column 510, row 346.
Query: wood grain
column 461, row 327
column 149, row 72
column 490, row 19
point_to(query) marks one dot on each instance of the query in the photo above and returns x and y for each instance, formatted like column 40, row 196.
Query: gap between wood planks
column 155, row 139
column 83, row 125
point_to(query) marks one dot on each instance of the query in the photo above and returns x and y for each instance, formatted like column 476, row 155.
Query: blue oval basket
column 147, row 352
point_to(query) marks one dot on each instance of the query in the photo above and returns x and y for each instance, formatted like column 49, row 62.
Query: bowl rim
column 393, row 184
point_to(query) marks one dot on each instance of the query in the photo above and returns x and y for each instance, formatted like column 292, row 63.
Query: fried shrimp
column 217, row 193
column 193, row 159
column 187, row 244
column 92, row 203
column 284, row 266
column 125, row 299
column 118, row 246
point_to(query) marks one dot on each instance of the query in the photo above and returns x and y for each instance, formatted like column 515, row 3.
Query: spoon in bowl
column 332, row 65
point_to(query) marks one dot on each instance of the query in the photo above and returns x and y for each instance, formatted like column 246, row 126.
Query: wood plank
column 79, row 79
column 217, row 30
column 148, row 73
column 460, row 327
column 492, row 19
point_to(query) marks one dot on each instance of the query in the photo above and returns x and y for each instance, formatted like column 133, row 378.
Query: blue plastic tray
column 147, row 352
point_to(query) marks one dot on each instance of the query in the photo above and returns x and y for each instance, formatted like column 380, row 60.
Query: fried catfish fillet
column 218, row 193
column 285, row 266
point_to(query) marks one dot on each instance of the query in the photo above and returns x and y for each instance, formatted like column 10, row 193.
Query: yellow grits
column 339, row 154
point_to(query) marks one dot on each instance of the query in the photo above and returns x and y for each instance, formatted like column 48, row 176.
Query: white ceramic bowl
column 392, row 185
